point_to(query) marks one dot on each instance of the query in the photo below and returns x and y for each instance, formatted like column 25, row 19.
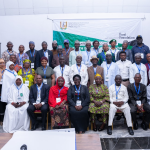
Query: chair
column 39, row 112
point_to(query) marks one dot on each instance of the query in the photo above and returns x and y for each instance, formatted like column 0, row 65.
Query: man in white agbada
column 119, row 101
column 79, row 69
column 8, row 79
column 16, row 116
column 63, row 70
column 138, row 67
column 110, row 70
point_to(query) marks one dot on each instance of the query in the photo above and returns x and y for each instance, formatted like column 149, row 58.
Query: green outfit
column 99, row 93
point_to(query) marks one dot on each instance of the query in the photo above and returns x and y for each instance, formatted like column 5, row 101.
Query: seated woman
column 99, row 97
column 78, row 98
column 46, row 72
column 27, row 73
column 16, row 116
column 58, row 104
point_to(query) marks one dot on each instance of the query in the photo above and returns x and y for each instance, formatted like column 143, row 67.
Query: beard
column 54, row 47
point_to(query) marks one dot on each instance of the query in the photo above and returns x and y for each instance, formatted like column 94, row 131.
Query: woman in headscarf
column 58, row 104
column 8, row 79
column 27, row 73
column 99, row 101
column 16, row 116
column 2, row 104
column 78, row 98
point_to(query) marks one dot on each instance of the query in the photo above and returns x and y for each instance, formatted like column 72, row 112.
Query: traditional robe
column 16, row 118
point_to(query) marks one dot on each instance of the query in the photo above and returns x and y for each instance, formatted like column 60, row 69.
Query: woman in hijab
column 8, row 79
column 2, row 104
column 58, row 104
column 16, row 116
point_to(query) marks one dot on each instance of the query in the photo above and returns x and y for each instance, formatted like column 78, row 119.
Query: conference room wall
column 38, row 28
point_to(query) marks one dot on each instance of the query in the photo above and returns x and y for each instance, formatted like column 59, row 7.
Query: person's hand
column 120, row 103
column 76, row 107
column 97, row 104
column 61, row 105
column 14, row 104
column 39, row 106
column 56, row 106
column 21, row 104
column 79, row 108
column 35, row 105
column 115, row 103
column 140, row 108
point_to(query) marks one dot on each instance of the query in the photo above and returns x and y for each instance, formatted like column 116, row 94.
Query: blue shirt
column 144, row 49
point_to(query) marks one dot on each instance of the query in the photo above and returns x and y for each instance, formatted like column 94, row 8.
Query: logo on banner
column 63, row 25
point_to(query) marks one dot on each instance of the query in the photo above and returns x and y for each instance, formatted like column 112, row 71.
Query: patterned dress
column 99, row 93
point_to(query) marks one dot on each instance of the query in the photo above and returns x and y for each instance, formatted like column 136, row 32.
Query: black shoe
column 34, row 127
column 144, row 125
column 135, row 125
column 109, row 130
column 130, row 131
column 43, row 128
column 23, row 147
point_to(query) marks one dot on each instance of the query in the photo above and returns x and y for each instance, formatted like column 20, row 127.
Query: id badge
column 78, row 103
column 1, row 81
column 107, row 78
column 138, row 103
column 18, row 98
column 87, row 63
column 142, row 55
column 32, row 65
column 94, row 82
column 58, row 100
column 38, row 100
column 45, row 81
column 27, row 83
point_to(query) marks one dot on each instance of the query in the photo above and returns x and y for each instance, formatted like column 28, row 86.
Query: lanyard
column 60, row 91
column 32, row 53
column 125, row 50
column 149, row 66
column 45, row 53
column 137, row 91
column 103, row 56
column 18, row 88
column 9, row 53
column 11, row 72
column 77, row 53
column 138, row 67
column 39, row 89
column 117, row 91
column 21, row 57
column 44, row 70
column 112, row 52
column 2, row 73
column 62, row 70
column 96, row 51
column 78, row 68
column 78, row 90
column 26, row 72
column 88, row 54
column 67, row 51
column 108, row 67
column 94, row 70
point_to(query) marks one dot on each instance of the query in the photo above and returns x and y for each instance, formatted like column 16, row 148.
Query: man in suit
column 43, row 52
column 38, row 100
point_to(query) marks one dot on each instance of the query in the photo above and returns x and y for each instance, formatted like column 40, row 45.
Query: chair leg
column 149, row 125
column 47, row 122
column 91, row 125
column 112, row 126
column 30, row 124
column 132, row 125
column 69, row 124
column 88, row 128
column 51, row 124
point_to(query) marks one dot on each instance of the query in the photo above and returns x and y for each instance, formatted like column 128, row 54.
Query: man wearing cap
column 96, row 47
column 113, row 48
column 79, row 69
column 128, row 52
column 6, row 54
column 148, row 68
column 44, row 52
column 138, row 67
column 32, row 54
column 124, row 68
column 93, row 70
column 54, row 46
column 102, row 55
column 110, row 70
column 87, row 55
column 140, row 48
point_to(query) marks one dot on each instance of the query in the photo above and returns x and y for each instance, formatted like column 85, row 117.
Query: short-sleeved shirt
column 49, row 73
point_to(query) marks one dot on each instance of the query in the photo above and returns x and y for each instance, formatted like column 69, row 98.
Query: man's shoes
column 34, row 126
column 144, row 125
column 109, row 130
column 135, row 125
column 130, row 131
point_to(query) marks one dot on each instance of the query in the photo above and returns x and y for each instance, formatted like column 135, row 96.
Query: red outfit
column 53, row 94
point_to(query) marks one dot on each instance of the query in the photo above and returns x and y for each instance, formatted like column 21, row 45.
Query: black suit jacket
column 39, row 55
column 44, row 93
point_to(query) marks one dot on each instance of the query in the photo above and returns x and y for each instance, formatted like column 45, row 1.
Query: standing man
column 102, row 55
column 119, row 101
column 124, row 68
column 54, row 46
column 63, row 70
column 140, row 48
column 79, row 69
column 73, row 54
column 113, row 48
column 128, row 52
column 87, row 55
column 93, row 70
column 44, row 52
column 6, row 54
column 32, row 54
column 110, row 70
column 148, row 68
column 96, row 47
column 138, row 67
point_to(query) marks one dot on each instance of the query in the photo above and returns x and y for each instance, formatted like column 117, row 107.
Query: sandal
column 102, row 127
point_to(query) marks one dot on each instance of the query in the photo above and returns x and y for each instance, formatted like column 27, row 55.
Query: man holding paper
column 138, row 101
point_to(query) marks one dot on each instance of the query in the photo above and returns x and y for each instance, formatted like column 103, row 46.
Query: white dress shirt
column 46, row 55
column 124, row 68
column 83, row 73
column 66, row 72
column 143, row 72
column 114, row 51
column 97, row 51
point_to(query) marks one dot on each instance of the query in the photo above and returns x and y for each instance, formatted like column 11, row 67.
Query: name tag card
column 94, row 82
column 78, row 103
column 1, row 81
column 18, row 99
column 58, row 100
column 107, row 78
column 138, row 103
column 142, row 55
column 27, row 83
column 32, row 65
column 45, row 81
column 38, row 100
column 87, row 63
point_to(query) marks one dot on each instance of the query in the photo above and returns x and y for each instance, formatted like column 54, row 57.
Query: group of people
column 75, row 85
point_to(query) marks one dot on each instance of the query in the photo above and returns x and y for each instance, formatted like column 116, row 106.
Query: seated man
column 138, row 101
column 38, row 100
column 118, row 101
